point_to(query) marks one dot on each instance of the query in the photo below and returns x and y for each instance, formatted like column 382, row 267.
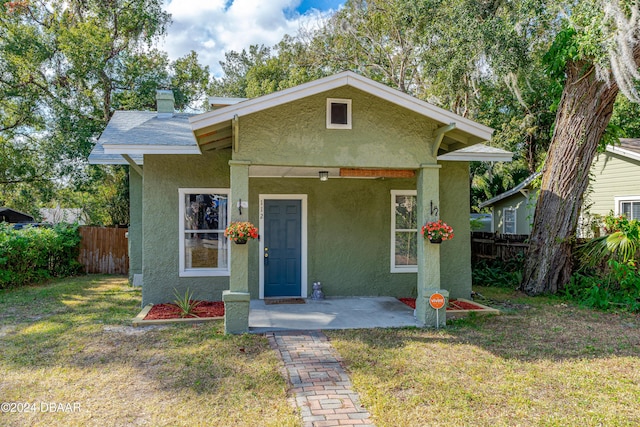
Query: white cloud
column 213, row 27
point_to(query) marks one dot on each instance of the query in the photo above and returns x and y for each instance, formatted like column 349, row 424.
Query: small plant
column 186, row 304
column 437, row 231
column 241, row 232
column 498, row 273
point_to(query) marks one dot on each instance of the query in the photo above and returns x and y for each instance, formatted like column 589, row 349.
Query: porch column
column 236, row 299
column 428, row 204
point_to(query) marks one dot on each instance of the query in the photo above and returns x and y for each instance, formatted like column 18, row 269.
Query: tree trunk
column 583, row 115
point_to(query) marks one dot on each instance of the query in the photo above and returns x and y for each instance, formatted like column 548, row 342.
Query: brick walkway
column 322, row 388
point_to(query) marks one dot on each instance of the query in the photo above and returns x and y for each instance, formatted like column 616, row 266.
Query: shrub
column 31, row 255
column 503, row 274
column 607, row 276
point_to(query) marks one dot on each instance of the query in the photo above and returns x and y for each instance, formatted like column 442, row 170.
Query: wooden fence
column 104, row 250
column 497, row 246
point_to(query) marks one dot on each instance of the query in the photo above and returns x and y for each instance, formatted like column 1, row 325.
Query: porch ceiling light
column 324, row 175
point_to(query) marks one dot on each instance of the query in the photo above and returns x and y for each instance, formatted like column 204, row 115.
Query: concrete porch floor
column 330, row 313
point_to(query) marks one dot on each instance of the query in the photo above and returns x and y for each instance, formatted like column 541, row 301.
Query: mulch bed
column 171, row 311
column 453, row 304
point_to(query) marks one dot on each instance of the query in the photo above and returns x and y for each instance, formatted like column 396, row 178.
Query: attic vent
column 338, row 113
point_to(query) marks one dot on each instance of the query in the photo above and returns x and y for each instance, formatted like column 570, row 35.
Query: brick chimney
column 166, row 103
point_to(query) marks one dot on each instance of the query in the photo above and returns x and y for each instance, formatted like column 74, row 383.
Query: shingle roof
column 629, row 147
column 478, row 152
column 98, row 157
column 511, row 192
column 137, row 132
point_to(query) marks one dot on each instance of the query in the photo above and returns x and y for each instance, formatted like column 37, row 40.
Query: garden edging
column 139, row 319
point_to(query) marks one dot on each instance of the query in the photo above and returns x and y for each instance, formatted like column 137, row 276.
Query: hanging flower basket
column 240, row 232
column 437, row 231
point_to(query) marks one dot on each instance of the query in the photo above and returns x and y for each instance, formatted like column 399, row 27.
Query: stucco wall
column 349, row 234
column 135, row 224
column 349, row 229
column 163, row 176
column 455, row 254
column 613, row 176
column 383, row 134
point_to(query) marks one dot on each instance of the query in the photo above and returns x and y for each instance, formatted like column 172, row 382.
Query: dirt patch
column 203, row 309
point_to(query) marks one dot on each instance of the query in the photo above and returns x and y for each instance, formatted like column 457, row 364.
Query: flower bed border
column 483, row 309
column 456, row 313
column 139, row 319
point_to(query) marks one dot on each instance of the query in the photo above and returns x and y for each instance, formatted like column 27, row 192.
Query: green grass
column 71, row 341
column 543, row 363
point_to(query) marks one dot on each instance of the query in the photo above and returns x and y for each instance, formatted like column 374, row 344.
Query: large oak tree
column 598, row 51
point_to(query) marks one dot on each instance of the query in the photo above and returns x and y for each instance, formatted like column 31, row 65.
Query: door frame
column 303, row 239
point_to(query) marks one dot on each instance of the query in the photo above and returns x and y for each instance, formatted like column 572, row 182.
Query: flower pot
column 436, row 241
column 241, row 242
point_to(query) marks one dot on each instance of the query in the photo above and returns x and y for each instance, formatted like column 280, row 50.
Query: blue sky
column 322, row 5
column 212, row 27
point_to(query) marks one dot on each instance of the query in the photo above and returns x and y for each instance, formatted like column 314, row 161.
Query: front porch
column 345, row 232
column 330, row 313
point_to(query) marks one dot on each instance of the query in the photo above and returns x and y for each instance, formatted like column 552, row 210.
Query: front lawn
column 541, row 363
column 69, row 345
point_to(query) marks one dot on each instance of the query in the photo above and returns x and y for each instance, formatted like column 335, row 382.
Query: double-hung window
column 629, row 208
column 509, row 221
column 204, row 251
column 404, row 231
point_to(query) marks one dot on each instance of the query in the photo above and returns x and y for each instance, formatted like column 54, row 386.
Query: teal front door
column 282, row 248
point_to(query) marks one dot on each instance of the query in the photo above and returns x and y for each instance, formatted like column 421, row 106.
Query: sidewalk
column 322, row 389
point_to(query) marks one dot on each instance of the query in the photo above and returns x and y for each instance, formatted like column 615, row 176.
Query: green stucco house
column 338, row 174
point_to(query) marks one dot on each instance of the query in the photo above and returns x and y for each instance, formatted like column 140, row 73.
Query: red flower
column 241, row 230
column 437, row 230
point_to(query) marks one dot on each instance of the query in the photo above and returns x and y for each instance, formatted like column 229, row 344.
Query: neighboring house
column 614, row 187
column 615, row 184
column 513, row 210
column 67, row 215
column 482, row 222
column 13, row 216
column 393, row 162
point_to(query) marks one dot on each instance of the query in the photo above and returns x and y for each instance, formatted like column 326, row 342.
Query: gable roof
column 466, row 131
column 629, row 147
column 524, row 184
column 12, row 216
column 143, row 132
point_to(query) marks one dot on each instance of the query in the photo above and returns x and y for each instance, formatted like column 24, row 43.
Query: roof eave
column 150, row 149
column 623, row 152
column 476, row 157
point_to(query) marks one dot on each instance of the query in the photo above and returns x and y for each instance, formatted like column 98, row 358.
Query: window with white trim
column 338, row 113
column 509, row 221
column 204, row 251
column 630, row 209
column 404, row 231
